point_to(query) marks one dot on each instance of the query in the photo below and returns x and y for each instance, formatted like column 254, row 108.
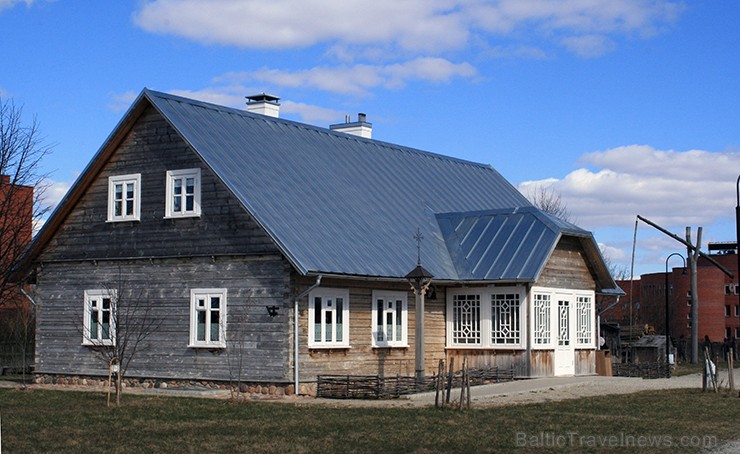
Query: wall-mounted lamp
column 272, row 310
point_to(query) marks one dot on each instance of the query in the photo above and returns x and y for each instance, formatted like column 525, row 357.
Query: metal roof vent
column 358, row 128
column 264, row 104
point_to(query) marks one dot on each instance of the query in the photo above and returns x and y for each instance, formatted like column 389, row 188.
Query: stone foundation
column 147, row 383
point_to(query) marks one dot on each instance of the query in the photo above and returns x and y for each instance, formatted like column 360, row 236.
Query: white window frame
column 484, row 323
column 94, row 303
column 205, row 294
column 124, row 180
column 585, row 318
column 582, row 303
column 541, row 320
column 328, row 299
column 172, row 176
column 394, row 308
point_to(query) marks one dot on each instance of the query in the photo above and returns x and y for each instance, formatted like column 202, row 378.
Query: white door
column 564, row 360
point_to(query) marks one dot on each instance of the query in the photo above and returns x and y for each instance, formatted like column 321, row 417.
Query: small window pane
column 201, row 326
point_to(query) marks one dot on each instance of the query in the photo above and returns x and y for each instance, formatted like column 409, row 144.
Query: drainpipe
column 298, row 298
column 28, row 297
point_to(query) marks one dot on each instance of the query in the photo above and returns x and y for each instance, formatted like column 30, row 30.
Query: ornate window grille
column 563, row 323
column 541, row 333
column 466, row 319
column 584, row 325
column 505, row 319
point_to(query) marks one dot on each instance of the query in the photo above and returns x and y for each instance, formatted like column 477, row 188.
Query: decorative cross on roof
column 418, row 237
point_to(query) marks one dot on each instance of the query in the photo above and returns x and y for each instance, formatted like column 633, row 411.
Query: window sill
column 97, row 345
column 329, row 347
column 485, row 347
column 391, row 347
column 113, row 221
column 208, row 347
column 182, row 216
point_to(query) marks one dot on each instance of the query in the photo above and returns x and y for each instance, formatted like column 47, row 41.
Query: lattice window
column 563, row 322
column 466, row 319
column 505, row 319
column 541, row 334
column 584, row 321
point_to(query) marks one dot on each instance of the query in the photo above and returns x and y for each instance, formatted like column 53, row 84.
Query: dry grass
column 65, row 421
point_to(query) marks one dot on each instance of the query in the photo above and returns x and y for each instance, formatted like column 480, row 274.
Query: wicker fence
column 377, row 387
column 644, row 370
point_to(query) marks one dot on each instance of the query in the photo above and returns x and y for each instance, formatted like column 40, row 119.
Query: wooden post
column 731, row 368
column 439, row 382
column 462, row 382
column 449, row 380
column 693, row 258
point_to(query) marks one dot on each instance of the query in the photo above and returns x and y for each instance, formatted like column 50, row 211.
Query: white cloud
column 669, row 187
column 5, row 4
column 54, row 192
column 121, row 101
column 429, row 26
column 673, row 189
column 359, row 78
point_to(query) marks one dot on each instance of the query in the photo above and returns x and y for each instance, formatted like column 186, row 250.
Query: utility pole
column 693, row 255
column 694, row 252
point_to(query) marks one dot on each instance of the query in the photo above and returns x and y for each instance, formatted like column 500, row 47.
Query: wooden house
column 286, row 246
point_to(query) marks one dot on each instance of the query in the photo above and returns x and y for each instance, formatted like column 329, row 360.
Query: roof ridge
column 308, row 126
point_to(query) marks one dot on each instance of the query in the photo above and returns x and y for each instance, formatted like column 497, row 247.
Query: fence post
column 731, row 368
column 449, row 380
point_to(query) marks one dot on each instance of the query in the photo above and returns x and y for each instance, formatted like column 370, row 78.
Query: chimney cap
column 262, row 97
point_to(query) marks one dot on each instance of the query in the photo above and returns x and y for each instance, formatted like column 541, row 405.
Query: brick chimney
column 264, row 104
column 358, row 128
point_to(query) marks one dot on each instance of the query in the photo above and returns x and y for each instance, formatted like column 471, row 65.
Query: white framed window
column 124, row 198
column 328, row 318
column 99, row 327
column 562, row 317
column 485, row 317
column 506, row 318
column 183, row 193
column 584, row 321
column 541, row 320
column 389, row 319
column 466, row 319
column 208, row 318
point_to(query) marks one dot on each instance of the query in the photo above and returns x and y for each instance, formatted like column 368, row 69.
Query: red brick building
column 16, row 316
column 719, row 302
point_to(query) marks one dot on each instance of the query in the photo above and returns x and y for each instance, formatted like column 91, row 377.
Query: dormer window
column 124, row 198
column 183, row 193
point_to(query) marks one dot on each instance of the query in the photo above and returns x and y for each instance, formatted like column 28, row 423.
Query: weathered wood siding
column 488, row 358
column 585, row 362
column 251, row 282
column 152, row 148
column 568, row 267
column 163, row 259
column 362, row 358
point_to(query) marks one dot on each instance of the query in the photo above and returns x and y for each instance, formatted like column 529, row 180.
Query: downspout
column 28, row 297
column 298, row 298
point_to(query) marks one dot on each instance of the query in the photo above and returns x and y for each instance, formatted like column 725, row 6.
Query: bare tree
column 120, row 319
column 21, row 191
column 548, row 200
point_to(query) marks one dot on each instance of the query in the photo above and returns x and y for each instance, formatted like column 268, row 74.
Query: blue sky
column 622, row 107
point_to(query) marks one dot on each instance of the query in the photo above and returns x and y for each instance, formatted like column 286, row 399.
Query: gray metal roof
column 340, row 204
column 510, row 244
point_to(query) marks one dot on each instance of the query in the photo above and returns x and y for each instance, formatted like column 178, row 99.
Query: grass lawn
column 79, row 422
